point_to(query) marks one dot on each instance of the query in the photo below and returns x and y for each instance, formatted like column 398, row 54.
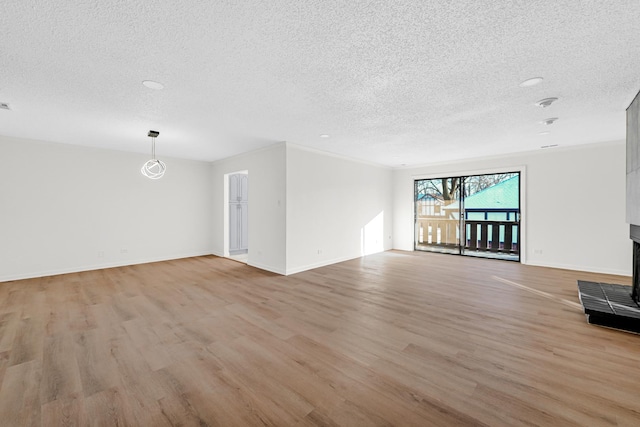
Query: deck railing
column 493, row 236
column 438, row 231
column 479, row 235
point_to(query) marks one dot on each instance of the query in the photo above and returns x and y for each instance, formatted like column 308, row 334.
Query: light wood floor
column 391, row 339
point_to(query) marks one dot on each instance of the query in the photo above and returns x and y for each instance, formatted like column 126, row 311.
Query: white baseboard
column 55, row 272
column 320, row 264
column 286, row 272
column 267, row 268
column 585, row 268
column 255, row 264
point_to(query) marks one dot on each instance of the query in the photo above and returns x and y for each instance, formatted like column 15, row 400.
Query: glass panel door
column 437, row 215
column 491, row 216
column 477, row 215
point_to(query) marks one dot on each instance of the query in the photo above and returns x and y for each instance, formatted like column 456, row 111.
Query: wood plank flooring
column 412, row 339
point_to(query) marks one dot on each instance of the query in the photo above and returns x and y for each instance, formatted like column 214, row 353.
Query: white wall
column 65, row 208
column 574, row 210
column 267, row 205
column 337, row 209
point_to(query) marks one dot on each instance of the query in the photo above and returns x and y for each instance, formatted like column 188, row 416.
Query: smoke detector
column 550, row 121
column 544, row 103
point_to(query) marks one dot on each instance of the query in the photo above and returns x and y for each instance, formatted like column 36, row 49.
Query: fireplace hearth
column 615, row 306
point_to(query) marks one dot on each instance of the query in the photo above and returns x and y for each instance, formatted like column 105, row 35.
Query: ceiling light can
column 153, row 84
column 531, row 82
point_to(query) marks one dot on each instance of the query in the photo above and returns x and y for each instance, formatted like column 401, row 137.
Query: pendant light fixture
column 154, row 168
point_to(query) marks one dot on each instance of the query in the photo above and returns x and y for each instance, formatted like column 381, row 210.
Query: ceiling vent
column 544, row 103
column 550, row 121
column 4, row 106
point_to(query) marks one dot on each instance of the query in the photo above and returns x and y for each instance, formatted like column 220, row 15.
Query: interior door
column 238, row 213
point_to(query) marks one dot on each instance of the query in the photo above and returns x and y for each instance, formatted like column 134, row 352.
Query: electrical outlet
column 100, row 254
column 537, row 251
column 124, row 251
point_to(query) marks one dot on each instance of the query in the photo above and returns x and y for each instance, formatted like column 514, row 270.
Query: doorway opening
column 475, row 215
column 237, row 216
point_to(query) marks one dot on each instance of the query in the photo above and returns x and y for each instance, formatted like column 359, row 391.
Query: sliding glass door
column 437, row 207
column 477, row 215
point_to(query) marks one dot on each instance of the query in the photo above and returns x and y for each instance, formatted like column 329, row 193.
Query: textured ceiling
column 392, row 82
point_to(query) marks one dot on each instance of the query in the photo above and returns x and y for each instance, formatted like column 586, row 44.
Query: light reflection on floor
column 543, row 294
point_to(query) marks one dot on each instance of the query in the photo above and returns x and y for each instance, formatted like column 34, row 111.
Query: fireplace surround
column 635, row 280
column 618, row 306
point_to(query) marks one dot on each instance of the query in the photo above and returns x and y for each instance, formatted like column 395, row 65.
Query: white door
column 238, row 213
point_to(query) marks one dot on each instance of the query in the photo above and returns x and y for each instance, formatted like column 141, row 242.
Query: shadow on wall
column 372, row 236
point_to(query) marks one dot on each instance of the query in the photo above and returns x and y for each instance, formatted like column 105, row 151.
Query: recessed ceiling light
column 544, row 133
column 324, row 135
column 544, row 103
column 153, row 85
column 531, row 82
column 549, row 121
